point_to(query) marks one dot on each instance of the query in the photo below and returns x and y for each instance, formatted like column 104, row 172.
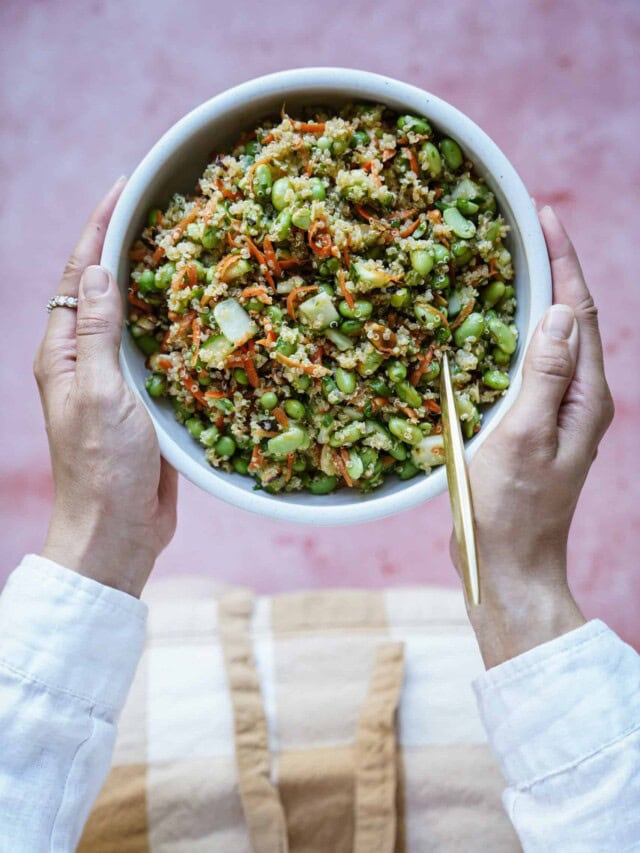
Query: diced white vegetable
column 370, row 276
column 215, row 351
column 318, row 312
column 429, row 452
column 343, row 342
column 235, row 324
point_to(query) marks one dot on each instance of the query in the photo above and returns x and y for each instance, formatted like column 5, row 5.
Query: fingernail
column 559, row 322
column 95, row 281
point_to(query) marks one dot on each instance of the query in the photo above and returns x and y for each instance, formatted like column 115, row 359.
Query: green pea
column 164, row 276
column 148, row 344
column 440, row 253
column 328, row 386
column 240, row 375
column 211, row 237
column 156, row 385
column 407, row 470
column 209, row 436
column 339, row 146
column 345, row 380
column 299, row 464
column 405, row 430
column 431, row 157
column 285, row 347
column 288, row 441
column 440, row 281
column 329, row 267
column 318, row 191
column 240, row 465
column 422, row 261
column 348, row 434
column 275, row 314
column 493, row 231
column 269, row 400
column 281, row 193
column 255, row 305
column 400, row 297
column 502, row 335
column 301, row 218
column 359, row 139
column 469, row 208
column 295, row 409
column 360, row 311
column 461, row 252
column 471, row 327
column 282, row 224
column 351, row 327
column 324, row 143
column 408, row 394
column 492, row 293
column 496, row 379
column 326, row 287
column 413, row 123
column 500, row 357
column 225, row 446
column 262, row 181
column 452, row 154
column 223, row 404
column 302, row 383
column 459, row 225
column 195, row 427
column 323, row 485
column 396, row 371
column 371, row 363
column 380, row 387
column 427, row 316
column 147, row 281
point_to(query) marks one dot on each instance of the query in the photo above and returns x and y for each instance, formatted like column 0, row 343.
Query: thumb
column 548, row 370
column 98, row 325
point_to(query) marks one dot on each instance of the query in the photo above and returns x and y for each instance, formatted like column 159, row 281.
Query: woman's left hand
column 115, row 497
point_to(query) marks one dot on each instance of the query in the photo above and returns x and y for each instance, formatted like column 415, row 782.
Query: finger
column 548, row 369
column 61, row 325
column 98, row 328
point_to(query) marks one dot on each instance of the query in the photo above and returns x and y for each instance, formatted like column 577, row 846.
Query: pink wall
column 89, row 86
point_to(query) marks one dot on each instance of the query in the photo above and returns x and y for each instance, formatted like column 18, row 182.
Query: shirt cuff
column 557, row 704
column 70, row 633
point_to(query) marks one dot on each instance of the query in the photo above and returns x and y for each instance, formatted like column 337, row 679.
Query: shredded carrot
column 157, row 256
column 138, row 253
column 388, row 154
column 437, row 429
column 467, row 308
column 280, row 415
column 259, row 293
column 364, row 213
column 164, row 363
column 341, row 466
column 164, row 346
column 270, row 256
column 135, row 300
column 318, row 355
column 192, row 274
column 432, row 406
column 214, row 395
column 286, row 262
column 195, row 326
column 346, row 257
column 410, row 413
column 387, row 460
column 405, row 214
column 255, row 251
column 186, row 321
column 434, row 217
column 193, row 388
column 252, row 373
column 252, row 169
column 379, row 401
column 291, row 298
column 443, row 317
column 208, row 210
column 425, row 360
column 342, row 282
column 223, row 266
column 309, row 127
column 227, row 193
column 308, row 169
column 492, row 268
column 311, row 369
column 411, row 157
column 256, row 458
column 409, row 229
column 320, row 243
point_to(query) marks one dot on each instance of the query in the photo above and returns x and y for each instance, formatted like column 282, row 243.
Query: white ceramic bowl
column 174, row 165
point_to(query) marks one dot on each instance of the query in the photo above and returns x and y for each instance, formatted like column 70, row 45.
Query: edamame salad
column 296, row 307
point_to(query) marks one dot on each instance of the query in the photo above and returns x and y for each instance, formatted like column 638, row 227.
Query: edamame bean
column 299, row 464
column 269, row 400
column 240, row 375
column 255, row 305
column 471, row 327
column 354, row 465
column 408, row 394
column 345, row 380
column 148, row 344
column 323, row 484
column 164, row 276
column 454, row 305
column 422, row 261
column 329, row 267
column 396, row 371
column 301, row 218
column 281, row 193
column 459, row 225
column 400, row 298
column 407, row 470
column 440, row 281
column 211, row 237
column 360, row 311
column 262, row 181
column 318, row 191
column 285, row 347
column 413, row 123
column 398, row 451
column 380, row 387
column 302, row 383
column 324, row 285
column 492, row 293
column 440, row 253
column 502, row 335
column 468, row 208
column 371, row 363
column 209, row 436
column 431, row 157
column 461, row 252
column 156, row 385
column 328, row 387
column 147, row 281
column 195, row 427
column 405, row 430
column 427, row 316
column 452, row 154
column 347, row 434
column 500, row 357
column 496, row 379
column 240, row 465
column 275, row 314
column 287, row 442
column 225, row 446
column 360, row 138
column 339, row 146
column 295, row 409
column 384, row 441
column 282, row 225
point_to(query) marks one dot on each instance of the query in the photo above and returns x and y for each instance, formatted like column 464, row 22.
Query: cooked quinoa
column 296, row 308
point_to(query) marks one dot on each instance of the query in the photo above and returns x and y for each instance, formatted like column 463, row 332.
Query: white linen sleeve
column 69, row 648
column 563, row 720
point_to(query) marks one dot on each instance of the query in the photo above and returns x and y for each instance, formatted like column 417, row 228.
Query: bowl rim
column 371, row 86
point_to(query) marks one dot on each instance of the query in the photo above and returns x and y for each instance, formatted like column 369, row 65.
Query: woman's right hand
column 527, row 477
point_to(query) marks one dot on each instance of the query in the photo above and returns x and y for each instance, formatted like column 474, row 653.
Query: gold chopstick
column 459, row 488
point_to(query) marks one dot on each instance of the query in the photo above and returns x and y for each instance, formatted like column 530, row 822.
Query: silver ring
column 61, row 302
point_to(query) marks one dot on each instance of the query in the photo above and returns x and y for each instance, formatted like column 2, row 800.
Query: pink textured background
column 89, row 86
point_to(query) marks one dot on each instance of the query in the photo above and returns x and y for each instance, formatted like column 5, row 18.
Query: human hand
column 115, row 498
column 527, row 477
